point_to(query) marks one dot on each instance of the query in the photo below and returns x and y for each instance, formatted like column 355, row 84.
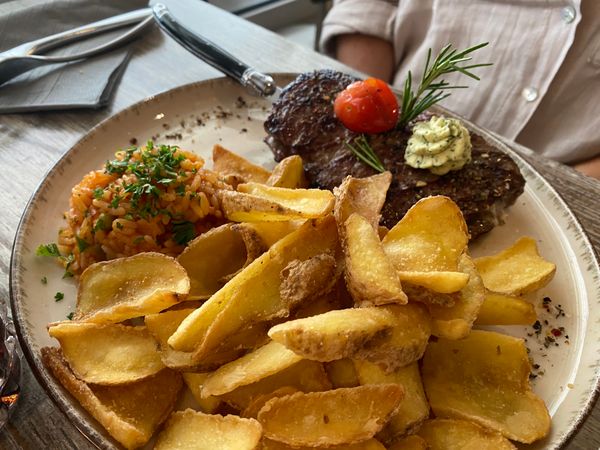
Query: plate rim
column 101, row 441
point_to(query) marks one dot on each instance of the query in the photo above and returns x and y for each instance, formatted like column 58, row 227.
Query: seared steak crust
column 302, row 122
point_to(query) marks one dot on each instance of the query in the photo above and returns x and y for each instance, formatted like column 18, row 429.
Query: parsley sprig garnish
column 183, row 232
column 48, row 250
column 156, row 166
column 53, row 251
column 446, row 62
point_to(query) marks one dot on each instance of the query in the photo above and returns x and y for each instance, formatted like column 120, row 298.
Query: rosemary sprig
column 363, row 151
column 447, row 61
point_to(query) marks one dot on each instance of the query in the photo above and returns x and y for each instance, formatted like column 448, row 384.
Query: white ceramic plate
column 199, row 115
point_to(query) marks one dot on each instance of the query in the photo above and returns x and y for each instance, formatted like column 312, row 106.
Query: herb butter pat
column 440, row 145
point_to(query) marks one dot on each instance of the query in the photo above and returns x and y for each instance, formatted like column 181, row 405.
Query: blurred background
column 296, row 20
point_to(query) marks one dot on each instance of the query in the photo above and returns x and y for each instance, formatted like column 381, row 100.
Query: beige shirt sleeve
column 544, row 87
column 371, row 17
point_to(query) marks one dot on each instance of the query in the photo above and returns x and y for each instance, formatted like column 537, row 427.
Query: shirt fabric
column 543, row 90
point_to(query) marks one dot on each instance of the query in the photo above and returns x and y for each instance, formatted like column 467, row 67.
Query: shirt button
column 530, row 94
column 568, row 14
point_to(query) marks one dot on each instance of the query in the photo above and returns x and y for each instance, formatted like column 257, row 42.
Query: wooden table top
column 32, row 143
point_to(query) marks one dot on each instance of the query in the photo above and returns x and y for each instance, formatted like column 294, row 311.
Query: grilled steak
column 302, row 123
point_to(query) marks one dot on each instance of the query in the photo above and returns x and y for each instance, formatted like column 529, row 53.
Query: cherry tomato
column 367, row 106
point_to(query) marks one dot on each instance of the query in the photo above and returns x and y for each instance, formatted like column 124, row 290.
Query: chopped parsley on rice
column 147, row 199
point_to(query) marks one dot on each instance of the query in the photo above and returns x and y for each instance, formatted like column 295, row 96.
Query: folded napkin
column 81, row 84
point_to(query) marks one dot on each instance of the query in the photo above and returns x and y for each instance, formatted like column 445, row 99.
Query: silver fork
column 28, row 56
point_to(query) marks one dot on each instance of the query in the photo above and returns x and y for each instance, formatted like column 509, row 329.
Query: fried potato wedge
column 500, row 309
column 447, row 434
column 124, row 411
column 254, row 202
column 364, row 196
column 413, row 442
column 304, row 376
column 370, row 276
column 335, row 334
column 195, row 381
column 230, row 164
column 107, row 354
column 164, row 324
column 250, row 368
column 442, row 282
column 301, row 199
column 414, row 408
column 430, row 238
column 254, row 294
column 406, row 341
column 192, row 429
column 339, row 416
column 456, row 321
column 288, row 173
column 369, row 444
column 342, row 373
column 212, row 256
column 241, row 207
column 485, row 378
column 271, row 232
column 256, row 404
column 304, row 281
column 516, row 270
column 428, row 297
column 124, row 288
column 254, row 243
column 337, row 298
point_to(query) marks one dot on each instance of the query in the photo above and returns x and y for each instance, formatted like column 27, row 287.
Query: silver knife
column 214, row 55
column 28, row 56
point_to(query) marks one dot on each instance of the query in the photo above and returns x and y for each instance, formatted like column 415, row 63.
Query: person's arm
column 360, row 33
column 371, row 55
column 591, row 167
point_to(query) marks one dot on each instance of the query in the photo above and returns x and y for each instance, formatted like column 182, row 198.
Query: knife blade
column 20, row 59
column 258, row 82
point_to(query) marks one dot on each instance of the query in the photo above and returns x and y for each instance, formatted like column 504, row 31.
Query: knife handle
column 213, row 54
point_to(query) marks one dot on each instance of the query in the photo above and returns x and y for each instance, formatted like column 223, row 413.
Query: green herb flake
column 116, row 167
column 180, row 190
column 154, row 166
column 115, row 201
column 98, row 193
column 138, row 240
column 44, row 280
column 48, row 250
column 81, row 244
column 68, row 261
column 58, row 296
column 119, row 225
column 70, row 316
column 183, row 232
column 103, row 222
